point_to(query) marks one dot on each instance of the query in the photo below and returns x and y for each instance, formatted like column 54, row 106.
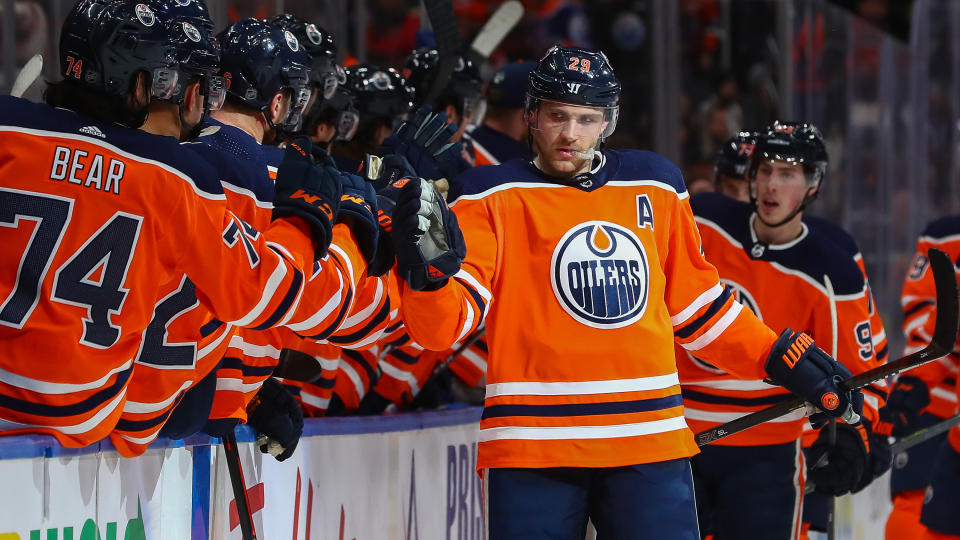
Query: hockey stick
column 443, row 20
column 239, row 486
column 920, row 436
column 944, row 337
column 924, row 434
column 503, row 20
column 473, row 338
column 832, row 427
column 28, row 74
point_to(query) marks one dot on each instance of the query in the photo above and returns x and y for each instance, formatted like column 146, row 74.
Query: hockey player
column 760, row 249
column 82, row 284
column 461, row 98
column 261, row 79
column 383, row 99
column 580, row 421
column 730, row 166
column 939, row 514
column 922, row 396
column 503, row 134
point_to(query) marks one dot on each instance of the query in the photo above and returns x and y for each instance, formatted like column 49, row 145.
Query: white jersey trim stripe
column 714, row 332
column 354, row 378
column 362, row 315
column 400, row 375
column 324, row 312
column 137, row 407
column 44, row 387
column 279, row 274
column 640, row 384
column 582, row 432
column 756, row 385
column 705, row 298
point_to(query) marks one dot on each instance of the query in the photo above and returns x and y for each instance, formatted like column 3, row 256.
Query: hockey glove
column 358, row 210
column 426, row 237
column 424, row 142
column 797, row 364
column 385, row 256
column 858, row 457
column 908, row 397
column 276, row 416
column 308, row 191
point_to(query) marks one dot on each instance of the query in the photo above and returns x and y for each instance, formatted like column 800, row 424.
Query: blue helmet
column 733, row 158
column 258, row 61
column 464, row 89
column 321, row 48
column 199, row 55
column 379, row 92
column 105, row 43
column 575, row 76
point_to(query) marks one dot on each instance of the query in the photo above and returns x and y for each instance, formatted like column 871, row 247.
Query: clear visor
column 298, row 103
column 165, row 82
column 329, row 84
column 215, row 91
column 474, row 109
column 575, row 120
column 347, row 124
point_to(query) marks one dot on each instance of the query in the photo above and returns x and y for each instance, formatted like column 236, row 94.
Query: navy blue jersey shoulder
column 273, row 155
column 943, row 227
column 815, row 255
column 20, row 113
column 237, row 156
column 486, row 177
column 641, row 165
column 620, row 165
column 834, row 232
column 500, row 145
column 731, row 215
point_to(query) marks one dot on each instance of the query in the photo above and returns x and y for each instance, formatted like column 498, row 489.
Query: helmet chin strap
column 803, row 204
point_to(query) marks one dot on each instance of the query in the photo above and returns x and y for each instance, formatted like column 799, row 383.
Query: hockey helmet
column 258, row 61
column 576, row 76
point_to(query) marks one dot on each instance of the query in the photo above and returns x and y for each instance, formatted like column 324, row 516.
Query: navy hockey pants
column 650, row 501
column 749, row 492
column 911, row 469
column 942, row 503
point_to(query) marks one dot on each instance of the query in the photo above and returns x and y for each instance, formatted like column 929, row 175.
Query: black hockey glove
column 858, row 457
column 908, row 397
column 797, row 364
column 424, row 141
column 426, row 237
column 385, row 256
column 358, row 210
column 276, row 416
column 308, row 191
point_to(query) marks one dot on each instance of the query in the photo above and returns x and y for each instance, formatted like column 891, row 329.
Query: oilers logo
column 742, row 295
column 600, row 275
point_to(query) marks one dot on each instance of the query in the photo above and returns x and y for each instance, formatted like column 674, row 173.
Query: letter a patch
column 644, row 212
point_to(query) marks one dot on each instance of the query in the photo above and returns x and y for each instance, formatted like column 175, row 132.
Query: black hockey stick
column 443, row 20
column 239, row 486
column 944, row 338
column 467, row 343
column 924, row 434
column 919, row 436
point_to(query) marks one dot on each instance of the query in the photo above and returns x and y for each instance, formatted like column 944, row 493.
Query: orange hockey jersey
column 98, row 219
column 584, row 289
column 784, row 285
column 180, row 325
column 919, row 303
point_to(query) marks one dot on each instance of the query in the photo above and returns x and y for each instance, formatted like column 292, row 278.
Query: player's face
column 561, row 131
column 735, row 188
column 781, row 187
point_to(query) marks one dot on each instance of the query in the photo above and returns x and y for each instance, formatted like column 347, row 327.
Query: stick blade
column 948, row 300
column 503, row 20
column 28, row 74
